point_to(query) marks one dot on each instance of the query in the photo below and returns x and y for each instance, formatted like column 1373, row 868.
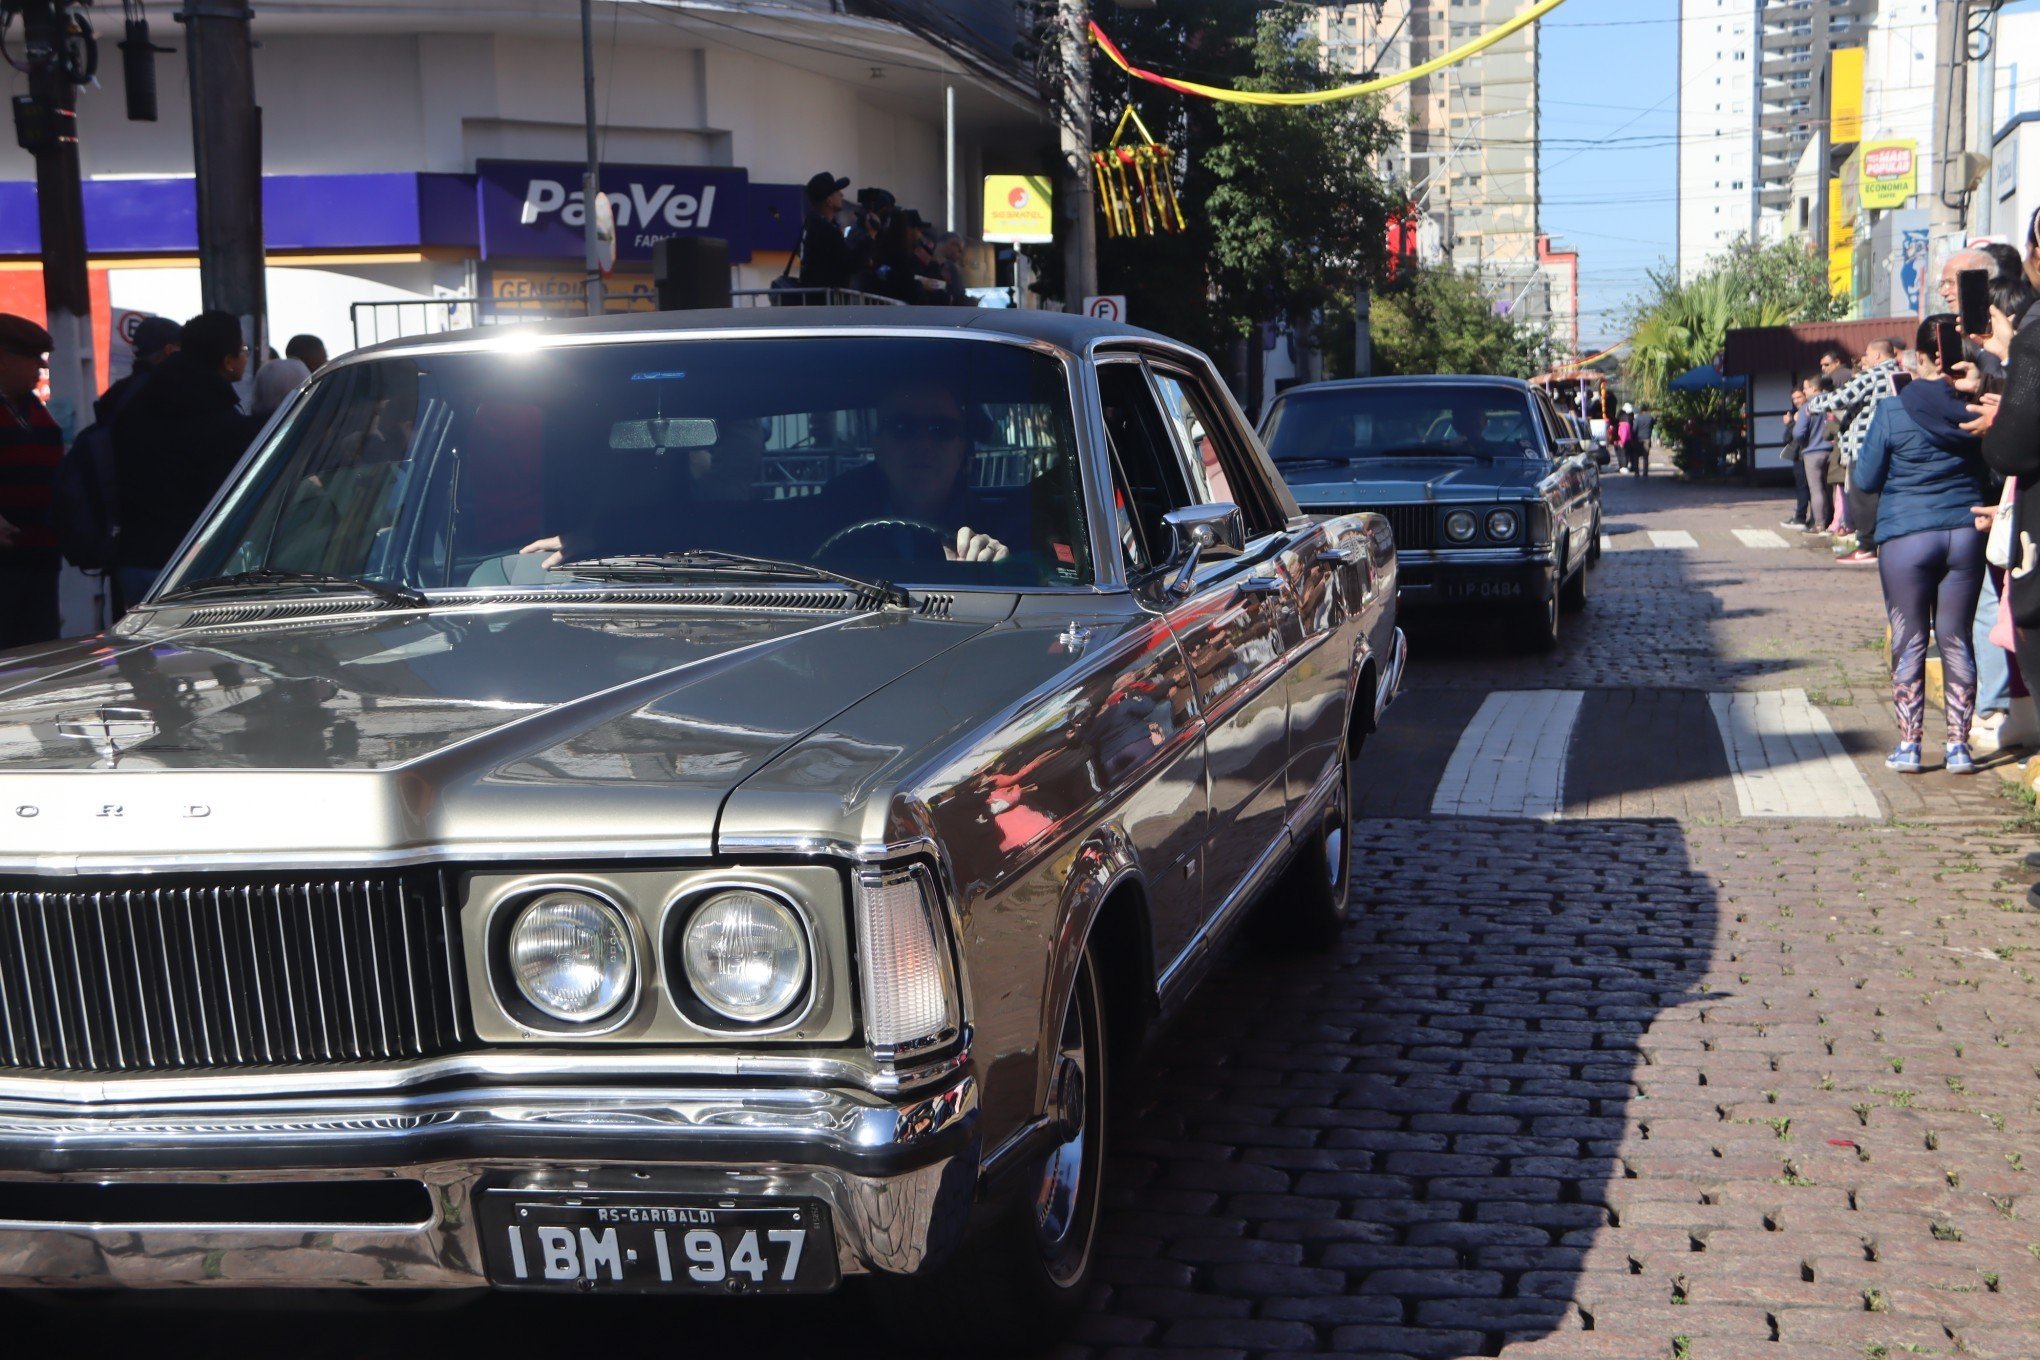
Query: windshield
column 1418, row 420
column 921, row 461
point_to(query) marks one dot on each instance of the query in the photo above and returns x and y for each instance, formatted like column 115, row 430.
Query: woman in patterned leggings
column 1930, row 557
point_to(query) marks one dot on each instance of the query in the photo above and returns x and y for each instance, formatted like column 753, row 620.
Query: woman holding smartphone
column 1930, row 473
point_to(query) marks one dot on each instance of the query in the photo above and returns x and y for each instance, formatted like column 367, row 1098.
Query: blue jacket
column 1810, row 428
column 1927, row 483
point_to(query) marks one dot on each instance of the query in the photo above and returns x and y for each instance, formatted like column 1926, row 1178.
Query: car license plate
column 1483, row 590
column 652, row 1243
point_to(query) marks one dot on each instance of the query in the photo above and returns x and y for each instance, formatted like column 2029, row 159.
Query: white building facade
column 432, row 151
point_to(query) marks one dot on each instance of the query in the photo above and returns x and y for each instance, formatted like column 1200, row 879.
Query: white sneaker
column 2019, row 728
column 1984, row 732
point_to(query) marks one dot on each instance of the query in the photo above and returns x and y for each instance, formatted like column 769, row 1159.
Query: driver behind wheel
column 918, row 480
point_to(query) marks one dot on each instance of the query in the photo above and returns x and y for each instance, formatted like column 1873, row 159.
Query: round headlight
column 1502, row 524
column 745, row 955
column 1460, row 526
column 571, row 956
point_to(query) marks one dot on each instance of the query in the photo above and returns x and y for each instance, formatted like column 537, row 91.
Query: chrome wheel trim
column 1063, row 1200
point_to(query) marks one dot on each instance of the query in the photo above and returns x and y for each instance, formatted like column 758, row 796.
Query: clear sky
column 1608, row 168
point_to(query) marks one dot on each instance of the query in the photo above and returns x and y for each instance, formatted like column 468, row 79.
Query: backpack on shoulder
column 84, row 509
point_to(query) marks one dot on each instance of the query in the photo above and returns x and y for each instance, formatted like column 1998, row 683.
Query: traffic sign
column 1108, row 307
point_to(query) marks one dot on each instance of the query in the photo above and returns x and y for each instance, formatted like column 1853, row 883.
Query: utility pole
column 1080, row 249
column 591, row 176
column 1949, row 182
column 46, row 123
column 226, row 140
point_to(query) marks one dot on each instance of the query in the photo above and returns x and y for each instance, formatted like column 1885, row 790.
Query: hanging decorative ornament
column 1136, row 182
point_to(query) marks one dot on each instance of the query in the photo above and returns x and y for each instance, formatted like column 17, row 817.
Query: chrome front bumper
column 898, row 1177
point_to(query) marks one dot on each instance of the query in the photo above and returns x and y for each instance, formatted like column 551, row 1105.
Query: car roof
column 1412, row 380
column 1073, row 333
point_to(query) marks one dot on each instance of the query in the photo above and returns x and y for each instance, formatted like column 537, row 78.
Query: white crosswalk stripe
column 1760, row 538
column 1510, row 761
column 1672, row 538
column 1785, row 760
column 1607, row 543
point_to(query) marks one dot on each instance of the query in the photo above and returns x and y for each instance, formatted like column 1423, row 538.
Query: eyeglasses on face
column 939, row 429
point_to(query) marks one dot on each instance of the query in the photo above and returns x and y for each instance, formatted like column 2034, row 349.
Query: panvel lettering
column 660, row 205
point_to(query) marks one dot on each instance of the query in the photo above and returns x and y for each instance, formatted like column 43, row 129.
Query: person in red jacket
column 31, row 446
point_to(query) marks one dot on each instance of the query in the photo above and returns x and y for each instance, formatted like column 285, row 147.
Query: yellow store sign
column 1890, row 173
column 1019, row 210
column 1845, row 95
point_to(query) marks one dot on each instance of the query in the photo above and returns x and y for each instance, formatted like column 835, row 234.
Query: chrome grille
column 188, row 974
column 1415, row 526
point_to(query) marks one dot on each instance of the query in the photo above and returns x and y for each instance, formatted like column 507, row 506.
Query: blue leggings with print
column 1931, row 580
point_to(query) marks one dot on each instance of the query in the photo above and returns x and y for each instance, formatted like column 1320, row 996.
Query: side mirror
column 1196, row 530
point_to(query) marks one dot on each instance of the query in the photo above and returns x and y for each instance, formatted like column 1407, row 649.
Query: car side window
column 1206, row 442
column 1148, row 477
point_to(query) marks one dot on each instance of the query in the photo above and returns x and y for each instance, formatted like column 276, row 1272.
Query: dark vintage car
column 538, row 835
column 1495, row 501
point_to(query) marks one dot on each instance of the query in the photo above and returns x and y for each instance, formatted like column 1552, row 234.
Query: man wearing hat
column 825, row 258
column 155, row 340
column 31, row 446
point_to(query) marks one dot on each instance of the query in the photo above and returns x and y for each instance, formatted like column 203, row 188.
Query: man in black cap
column 825, row 257
column 31, row 446
column 176, row 442
column 155, row 340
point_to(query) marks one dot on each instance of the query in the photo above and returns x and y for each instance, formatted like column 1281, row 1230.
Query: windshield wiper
column 1317, row 460
column 268, row 578
column 714, row 559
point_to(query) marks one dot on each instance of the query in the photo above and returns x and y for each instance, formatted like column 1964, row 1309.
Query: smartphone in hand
column 1972, row 300
column 1948, row 343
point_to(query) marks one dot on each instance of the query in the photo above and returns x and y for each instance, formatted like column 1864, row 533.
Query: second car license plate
column 656, row 1243
column 1483, row 590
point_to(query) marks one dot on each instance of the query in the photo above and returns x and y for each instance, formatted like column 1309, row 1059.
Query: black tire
column 1594, row 544
column 1018, row 1282
column 1537, row 624
column 1572, row 596
column 1306, row 909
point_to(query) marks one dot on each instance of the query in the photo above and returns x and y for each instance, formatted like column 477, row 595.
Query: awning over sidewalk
column 1702, row 377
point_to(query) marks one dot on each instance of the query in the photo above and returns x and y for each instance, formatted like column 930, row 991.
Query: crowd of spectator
column 1922, row 457
column 872, row 245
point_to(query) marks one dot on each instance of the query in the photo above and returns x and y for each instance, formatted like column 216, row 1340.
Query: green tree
column 1299, row 218
column 1679, row 327
column 1283, row 208
column 1438, row 320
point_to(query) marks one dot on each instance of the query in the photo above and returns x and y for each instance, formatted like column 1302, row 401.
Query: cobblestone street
column 1646, row 1080
column 1644, row 1076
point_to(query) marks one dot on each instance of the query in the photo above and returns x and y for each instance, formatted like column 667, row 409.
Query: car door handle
column 1261, row 585
column 1339, row 557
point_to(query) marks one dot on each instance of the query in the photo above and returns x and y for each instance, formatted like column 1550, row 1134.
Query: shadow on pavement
column 1406, row 1146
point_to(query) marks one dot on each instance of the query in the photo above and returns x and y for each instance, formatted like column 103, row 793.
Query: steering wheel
column 867, row 526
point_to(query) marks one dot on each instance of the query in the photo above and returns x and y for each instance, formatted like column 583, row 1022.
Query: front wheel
column 1015, row 1286
column 1536, row 624
column 1572, row 596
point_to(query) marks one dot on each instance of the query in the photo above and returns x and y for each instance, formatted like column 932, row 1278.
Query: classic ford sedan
column 1495, row 501
column 689, row 803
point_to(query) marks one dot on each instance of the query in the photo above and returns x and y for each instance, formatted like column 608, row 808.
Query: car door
column 1234, row 622
column 1569, row 487
column 1314, row 607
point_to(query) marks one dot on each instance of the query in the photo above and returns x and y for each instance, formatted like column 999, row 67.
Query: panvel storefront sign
column 535, row 209
column 1890, row 173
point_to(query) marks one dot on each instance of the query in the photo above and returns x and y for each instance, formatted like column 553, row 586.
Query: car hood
column 383, row 733
column 1403, row 481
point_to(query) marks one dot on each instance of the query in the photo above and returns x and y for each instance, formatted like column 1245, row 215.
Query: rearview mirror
column 1197, row 531
column 679, row 432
